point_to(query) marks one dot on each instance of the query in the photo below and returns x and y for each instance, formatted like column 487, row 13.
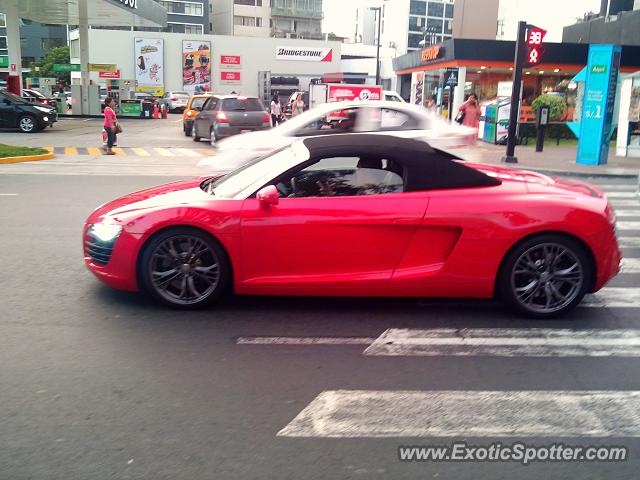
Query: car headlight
column 105, row 232
column 46, row 119
column 42, row 109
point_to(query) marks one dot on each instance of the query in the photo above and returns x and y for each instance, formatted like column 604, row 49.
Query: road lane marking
column 460, row 413
column 164, row 152
column 628, row 225
column 622, row 195
column 141, row 152
column 209, row 151
column 507, row 342
column 629, row 242
column 8, row 194
column 627, row 213
column 618, row 187
column 49, row 149
column 119, row 151
column 70, row 151
column 305, row 340
column 188, row 152
column 613, row 297
column 631, row 265
column 95, row 151
column 625, row 203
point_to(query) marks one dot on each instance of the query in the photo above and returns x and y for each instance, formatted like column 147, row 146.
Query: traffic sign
column 66, row 67
column 451, row 77
column 534, row 50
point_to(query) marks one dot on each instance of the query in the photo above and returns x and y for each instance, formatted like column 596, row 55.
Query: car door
column 7, row 112
column 203, row 121
column 328, row 229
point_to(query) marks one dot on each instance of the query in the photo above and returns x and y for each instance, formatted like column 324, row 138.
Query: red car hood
column 171, row 194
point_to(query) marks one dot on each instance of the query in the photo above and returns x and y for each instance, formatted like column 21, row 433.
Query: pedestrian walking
column 276, row 111
column 469, row 114
column 110, row 125
column 297, row 107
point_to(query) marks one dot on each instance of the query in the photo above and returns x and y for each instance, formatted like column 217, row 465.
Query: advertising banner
column 115, row 74
column 341, row 92
column 305, row 54
column 230, row 77
column 196, row 66
column 596, row 125
column 230, row 61
column 149, row 58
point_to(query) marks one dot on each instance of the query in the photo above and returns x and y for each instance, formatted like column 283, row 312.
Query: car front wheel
column 184, row 268
column 27, row 124
column 545, row 276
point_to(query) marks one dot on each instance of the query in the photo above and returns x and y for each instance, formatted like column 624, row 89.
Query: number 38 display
column 534, row 50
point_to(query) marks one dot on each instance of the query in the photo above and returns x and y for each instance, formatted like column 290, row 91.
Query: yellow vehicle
column 194, row 106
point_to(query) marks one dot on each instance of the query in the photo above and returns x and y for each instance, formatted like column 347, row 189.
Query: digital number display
column 534, row 39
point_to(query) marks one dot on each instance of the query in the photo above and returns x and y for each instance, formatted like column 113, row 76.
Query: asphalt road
column 101, row 384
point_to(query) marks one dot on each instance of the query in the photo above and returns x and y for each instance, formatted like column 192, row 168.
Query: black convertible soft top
column 425, row 168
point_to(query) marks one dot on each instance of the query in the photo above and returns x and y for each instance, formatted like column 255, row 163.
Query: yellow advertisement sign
column 102, row 67
column 155, row 91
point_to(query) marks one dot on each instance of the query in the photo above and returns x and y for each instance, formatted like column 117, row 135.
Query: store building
column 246, row 65
column 485, row 66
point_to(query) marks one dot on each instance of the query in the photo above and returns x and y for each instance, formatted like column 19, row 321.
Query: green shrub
column 556, row 104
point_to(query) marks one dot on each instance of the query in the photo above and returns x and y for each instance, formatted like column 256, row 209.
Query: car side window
column 337, row 121
column 374, row 119
column 212, row 103
column 343, row 176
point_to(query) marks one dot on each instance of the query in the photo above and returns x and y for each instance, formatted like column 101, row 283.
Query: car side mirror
column 268, row 196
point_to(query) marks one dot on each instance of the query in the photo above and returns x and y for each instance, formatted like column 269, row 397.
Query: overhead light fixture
column 511, row 68
column 541, row 72
column 479, row 71
column 527, row 73
column 483, row 67
column 556, row 70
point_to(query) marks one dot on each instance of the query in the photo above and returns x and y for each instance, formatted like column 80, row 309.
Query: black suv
column 16, row 112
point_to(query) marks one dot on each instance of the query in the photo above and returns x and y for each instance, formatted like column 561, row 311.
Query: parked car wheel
column 184, row 268
column 545, row 276
column 27, row 124
column 212, row 137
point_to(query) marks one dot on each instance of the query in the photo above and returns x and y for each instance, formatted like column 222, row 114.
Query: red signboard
column 229, row 59
column 230, row 76
column 342, row 92
column 534, row 50
column 115, row 74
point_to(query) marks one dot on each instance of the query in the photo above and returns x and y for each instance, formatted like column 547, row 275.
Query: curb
column 27, row 158
column 583, row 174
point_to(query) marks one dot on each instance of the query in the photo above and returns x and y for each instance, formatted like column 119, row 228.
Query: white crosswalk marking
column 613, row 297
column 631, row 265
column 305, row 340
column 507, row 342
column 553, row 413
column 627, row 213
column 629, row 242
column 625, row 225
column 624, row 203
column 617, row 187
column 622, row 195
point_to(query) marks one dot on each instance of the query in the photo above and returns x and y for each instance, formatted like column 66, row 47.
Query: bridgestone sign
column 305, row 54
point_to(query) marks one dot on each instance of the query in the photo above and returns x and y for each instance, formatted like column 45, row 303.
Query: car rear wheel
column 27, row 124
column 194, row 133
column 187, row 131
column 184, row 268
column 545, row 276
column 212, row 137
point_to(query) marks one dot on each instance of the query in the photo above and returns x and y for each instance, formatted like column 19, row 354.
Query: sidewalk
column 553, row 160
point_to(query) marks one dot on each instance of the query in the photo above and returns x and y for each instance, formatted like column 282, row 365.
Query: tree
column 556, row 104
column 45, row 64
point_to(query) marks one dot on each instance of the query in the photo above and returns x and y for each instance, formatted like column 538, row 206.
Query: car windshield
column 261, row 169
column 242, row 104
column 14, row 98
column 198, row 102
column 35, row 93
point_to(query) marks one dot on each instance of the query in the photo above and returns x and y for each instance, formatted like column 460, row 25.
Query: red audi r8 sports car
column 360, row 215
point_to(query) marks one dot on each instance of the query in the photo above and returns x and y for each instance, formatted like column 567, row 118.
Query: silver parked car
column 225, row 115
column 175, row 101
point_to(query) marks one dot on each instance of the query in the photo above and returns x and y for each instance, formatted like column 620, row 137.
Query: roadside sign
column 66, row 67
column 230, row 61
column 102, row 67
column 451, row 77
column 4, row 61
column 115, row 74
column 229, row 77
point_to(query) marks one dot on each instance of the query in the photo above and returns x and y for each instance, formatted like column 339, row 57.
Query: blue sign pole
column 596, row 124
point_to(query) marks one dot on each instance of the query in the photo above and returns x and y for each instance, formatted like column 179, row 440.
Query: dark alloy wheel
column 545, row 276
column 184, row 268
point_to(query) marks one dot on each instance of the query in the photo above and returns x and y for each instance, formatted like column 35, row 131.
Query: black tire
column 530, row 275
column 169, row 266
column 194, row 133
column 187, row 131
column 28, row 124
column 212, row 137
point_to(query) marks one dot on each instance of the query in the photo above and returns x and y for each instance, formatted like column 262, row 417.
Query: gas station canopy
column 136, row 13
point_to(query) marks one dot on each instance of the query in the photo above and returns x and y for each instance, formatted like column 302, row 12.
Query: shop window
column 418, row 7
column 193, row 29
column 448, row 26
column 433, row 24
column 435, row 9
column 258, row 22
column 448, row 11
column 414, row 40
column 416, row 24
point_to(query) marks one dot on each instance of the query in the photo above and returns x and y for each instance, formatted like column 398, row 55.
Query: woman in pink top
column 471, row 110
column 110, row 125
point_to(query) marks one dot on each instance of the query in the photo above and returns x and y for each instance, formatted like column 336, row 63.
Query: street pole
column 514, row 114
column 379, row 11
